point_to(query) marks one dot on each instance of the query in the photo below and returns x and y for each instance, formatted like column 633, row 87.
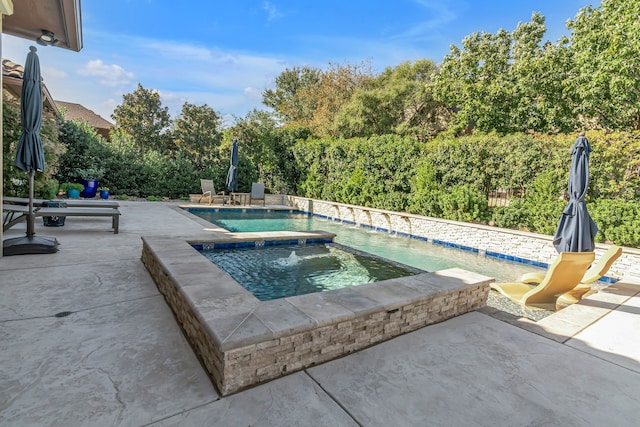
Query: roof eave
column 30, row 17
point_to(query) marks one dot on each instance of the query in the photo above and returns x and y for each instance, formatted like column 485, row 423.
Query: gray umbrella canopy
column 576, row 230
column 232, row 174
column 30, row 155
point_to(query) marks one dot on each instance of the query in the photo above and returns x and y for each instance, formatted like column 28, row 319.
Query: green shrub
column 71, row 186
column 512, row 216
column 464, row 203
column 50, row 189
column 617, row 220
column 92, row 172
column 540, row 209
column 425, row 195
column 16, row 182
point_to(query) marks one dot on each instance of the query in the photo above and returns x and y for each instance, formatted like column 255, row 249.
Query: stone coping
column 243, row 341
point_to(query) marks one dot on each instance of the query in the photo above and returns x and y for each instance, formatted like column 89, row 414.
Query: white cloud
column 53, row 73
column 439, row 13
column 253, row 93
column 272, row 11
column 178, row 51
column 111, row 75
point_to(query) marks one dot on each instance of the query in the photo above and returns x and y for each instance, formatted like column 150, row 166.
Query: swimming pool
column 282, row 271
column 414, row 252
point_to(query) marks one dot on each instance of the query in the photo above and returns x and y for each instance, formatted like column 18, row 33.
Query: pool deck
column 120, row 359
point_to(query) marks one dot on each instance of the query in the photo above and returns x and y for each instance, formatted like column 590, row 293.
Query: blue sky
column 224, row 54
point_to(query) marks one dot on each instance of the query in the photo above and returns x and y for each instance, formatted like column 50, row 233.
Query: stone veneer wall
column 424, row 299
column 270, row 359
column 185, row 315
column 484, row 238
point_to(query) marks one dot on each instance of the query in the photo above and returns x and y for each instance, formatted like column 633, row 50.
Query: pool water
column 282, row 271
column 416, row 253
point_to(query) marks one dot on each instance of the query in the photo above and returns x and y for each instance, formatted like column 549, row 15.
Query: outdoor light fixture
column 47, row 39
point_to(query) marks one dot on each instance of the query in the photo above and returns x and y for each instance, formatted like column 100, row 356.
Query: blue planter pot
column 73, row 194
column 90, row 188
column 104, row 194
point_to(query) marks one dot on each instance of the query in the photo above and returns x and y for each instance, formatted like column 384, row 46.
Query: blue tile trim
column 454, row 245
column 258, row 243
column 240, row 210
column 415, row 236
column 196, row 210
column 516, row 259
column 280, row 242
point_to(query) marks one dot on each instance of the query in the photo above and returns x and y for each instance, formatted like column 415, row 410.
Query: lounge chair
column 593, row 274
column 257, row 192
column 17, row 213
column 563, row 275
column 209, row 191
column 14, row 214
column 71, row 203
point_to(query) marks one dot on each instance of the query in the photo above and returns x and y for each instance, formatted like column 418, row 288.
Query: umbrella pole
column 30, row 217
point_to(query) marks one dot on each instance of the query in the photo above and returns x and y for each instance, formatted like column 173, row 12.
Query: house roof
column 28, row 18
column 12, row 74
column 79, row 112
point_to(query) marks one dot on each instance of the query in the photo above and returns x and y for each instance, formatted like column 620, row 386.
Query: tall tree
column 607, row 64
column 308, row 97
column 509, row 82
column 337, row 85
column 286, row 99
column 542, row 101
column 475, row 83
column 268, row 149
column 400, row 101
column 142, row 115
column 197, row 133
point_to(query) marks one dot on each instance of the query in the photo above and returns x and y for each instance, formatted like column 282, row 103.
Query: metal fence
column 503, row 197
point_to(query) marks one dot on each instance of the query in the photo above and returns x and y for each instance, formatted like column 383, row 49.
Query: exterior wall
column 485, row 239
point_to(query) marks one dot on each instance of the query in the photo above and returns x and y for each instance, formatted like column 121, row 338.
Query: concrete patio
column 86, row 339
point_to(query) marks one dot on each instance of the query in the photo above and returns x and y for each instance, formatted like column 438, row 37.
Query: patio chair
column 593, row 274
column 257, row 192
column 209, row 191
column 563, row 275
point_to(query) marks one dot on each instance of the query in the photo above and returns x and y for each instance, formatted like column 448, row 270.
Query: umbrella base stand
column 29, row 245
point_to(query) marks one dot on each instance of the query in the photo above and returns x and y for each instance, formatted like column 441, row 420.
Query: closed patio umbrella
column 232, row 174
column 30, row 156
column 576, row 230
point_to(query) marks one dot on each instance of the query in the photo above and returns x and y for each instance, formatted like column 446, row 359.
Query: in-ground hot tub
column 289, row 268
column 243, row 341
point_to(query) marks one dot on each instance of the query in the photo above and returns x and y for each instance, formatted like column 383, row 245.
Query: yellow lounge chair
column 593, row 274
column 563, row 275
